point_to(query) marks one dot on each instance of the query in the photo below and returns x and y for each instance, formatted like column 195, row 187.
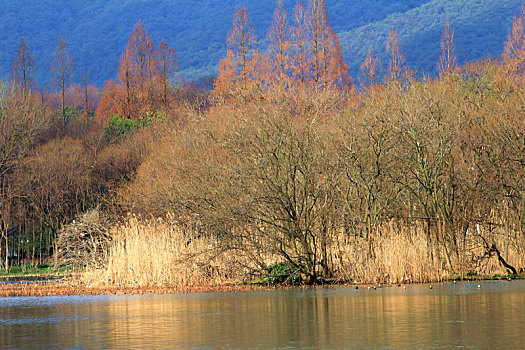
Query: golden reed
column 160, row 254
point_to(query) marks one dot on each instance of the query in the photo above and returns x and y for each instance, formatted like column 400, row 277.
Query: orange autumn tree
column 142, row 79
column 236, row 71
column 307, row 53
column 22, row 66
column 317, row 58
column 107, row 105
column 140, row 52
column 329, row 68
column 447, row 59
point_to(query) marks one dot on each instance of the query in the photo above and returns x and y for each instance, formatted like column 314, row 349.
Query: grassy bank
column 40, row 270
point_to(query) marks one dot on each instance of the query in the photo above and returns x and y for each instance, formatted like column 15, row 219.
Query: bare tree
column 447, row 60
column 23, row 119
column 395, row 63
column 62, row 70
column 22, row 66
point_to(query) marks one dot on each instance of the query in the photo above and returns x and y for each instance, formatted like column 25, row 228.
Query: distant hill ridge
column 97, row 30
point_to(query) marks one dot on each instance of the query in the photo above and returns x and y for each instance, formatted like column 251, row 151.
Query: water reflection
column 447, row 316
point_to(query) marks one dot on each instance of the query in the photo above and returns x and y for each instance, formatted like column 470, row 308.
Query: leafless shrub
column 84, row 242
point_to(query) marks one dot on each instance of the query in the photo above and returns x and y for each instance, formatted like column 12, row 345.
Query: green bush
column 283, row 272
column 120, row 126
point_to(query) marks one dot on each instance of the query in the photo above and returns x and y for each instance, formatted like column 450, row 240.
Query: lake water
column 447, row 316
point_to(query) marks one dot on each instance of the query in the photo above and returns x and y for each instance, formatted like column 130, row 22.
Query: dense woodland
column 288, row 164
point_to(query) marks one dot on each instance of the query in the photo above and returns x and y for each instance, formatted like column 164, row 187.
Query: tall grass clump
column 166, row 253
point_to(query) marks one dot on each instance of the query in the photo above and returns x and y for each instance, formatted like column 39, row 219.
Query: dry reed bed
column 160, row 254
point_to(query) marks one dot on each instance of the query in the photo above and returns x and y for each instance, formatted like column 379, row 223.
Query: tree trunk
column 6, row 252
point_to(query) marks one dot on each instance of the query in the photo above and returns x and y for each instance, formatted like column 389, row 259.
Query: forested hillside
column 96, row 31
column 480, row 26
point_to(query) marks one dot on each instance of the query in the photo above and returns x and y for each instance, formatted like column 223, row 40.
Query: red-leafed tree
column 447, row 59
column 109, row 105
column 62, row 70
column 22, row 66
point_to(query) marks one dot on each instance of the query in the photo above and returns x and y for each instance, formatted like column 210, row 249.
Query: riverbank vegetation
column 289, row 170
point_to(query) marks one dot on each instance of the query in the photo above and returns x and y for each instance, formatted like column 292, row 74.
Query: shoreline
column 71, row 288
